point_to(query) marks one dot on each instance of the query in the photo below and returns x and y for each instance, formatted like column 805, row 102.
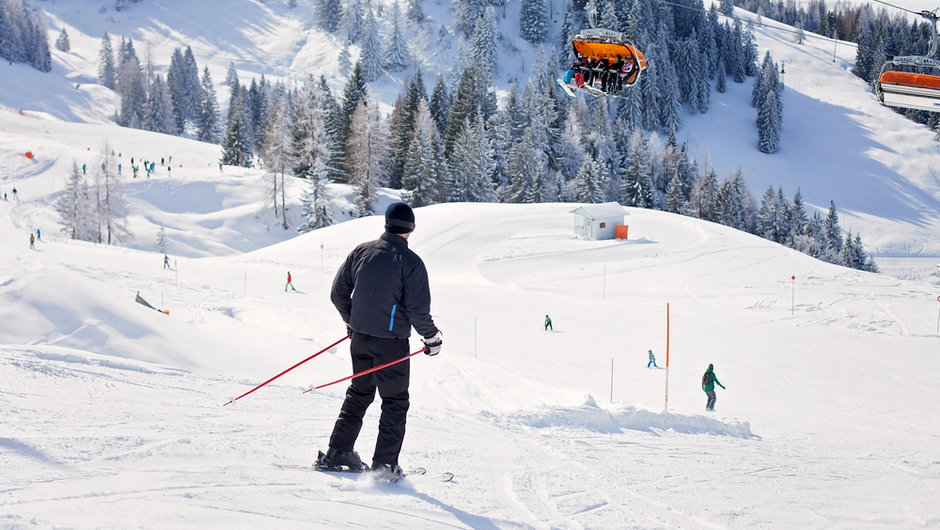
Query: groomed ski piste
column 113, row 417
column 111, row 413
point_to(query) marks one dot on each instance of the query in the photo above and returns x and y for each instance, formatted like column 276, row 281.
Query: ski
column 445, row 476
column 566, row 88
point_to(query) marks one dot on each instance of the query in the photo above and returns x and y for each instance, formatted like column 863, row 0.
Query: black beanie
column 399, row 218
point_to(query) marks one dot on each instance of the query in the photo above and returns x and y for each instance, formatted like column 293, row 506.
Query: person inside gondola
column 575, row 68
column 593, row 69
column 600, row 71
column 626, row 70
column 613, row 75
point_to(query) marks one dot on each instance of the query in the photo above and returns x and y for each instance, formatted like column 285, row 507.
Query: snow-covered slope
column 828, row 417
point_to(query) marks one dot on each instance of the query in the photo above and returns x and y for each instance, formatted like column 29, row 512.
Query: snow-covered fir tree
column 344, row 61
column 533, row 20
column 23, row 35
column 484, row 45
column 637, row 185
column 471, row 165
column 316, row 207
column 231, row 75
column 371, row 57
column 354, row 20
column 703, row 200
column 423, row 172
column 62, row 42
column 107, row 73
column 237, row 142
column 366, row 155
column 440, row 104
column 131, row 85
column 414, row 11
column 832, row 237
column 465, row 13
column 769, row 123
column 207, row 117
column 733, row 203
column 354, row 92
column 591, row 182
column 159, row 112
column 329, row 14
column 397, row 55
column 402, row 127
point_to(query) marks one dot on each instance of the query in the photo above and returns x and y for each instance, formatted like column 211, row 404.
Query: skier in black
column 380, row 291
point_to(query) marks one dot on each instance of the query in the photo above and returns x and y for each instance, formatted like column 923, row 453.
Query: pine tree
column 344, row 62
column 704, row 196
column 590, row 182
column 159, row 111
column 366, row 155
column 329, row 14
column 191, row 86
column 371, row 57
column 62, row 43
column 397, row 55
column 485, row 44
column 401, row 127
column 354, row 21
column 637, row 186
column 231, row 75
column 471, row 165
column 315, row 203
column 277, row 151
column 354, row 92
column 107, row 74
column 832, row 237
column 413, row 11
column 533, row 20
column 130, row 84
column 424, row 170
column 440, row 104
column 769, row 124
column 465, row 13
column 207, row 118
column 236, row 145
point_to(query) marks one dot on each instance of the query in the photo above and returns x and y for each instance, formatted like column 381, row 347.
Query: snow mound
column 592, row 417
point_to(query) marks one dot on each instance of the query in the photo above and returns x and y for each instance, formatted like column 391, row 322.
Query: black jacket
column 382, row 290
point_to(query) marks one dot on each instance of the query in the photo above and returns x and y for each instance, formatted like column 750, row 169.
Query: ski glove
column 349, row 331
column 432, row 345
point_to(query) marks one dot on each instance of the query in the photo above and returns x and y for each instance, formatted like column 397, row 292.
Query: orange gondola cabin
column 602, row 50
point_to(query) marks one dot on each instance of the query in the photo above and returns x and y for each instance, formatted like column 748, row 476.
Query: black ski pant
column 392, row 384
column 710, row 404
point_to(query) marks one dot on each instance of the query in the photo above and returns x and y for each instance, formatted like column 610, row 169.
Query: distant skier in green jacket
column 548, row 323
column 709, row 380
column 652, row 360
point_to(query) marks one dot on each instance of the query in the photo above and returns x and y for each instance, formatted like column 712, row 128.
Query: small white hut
column 598, row 221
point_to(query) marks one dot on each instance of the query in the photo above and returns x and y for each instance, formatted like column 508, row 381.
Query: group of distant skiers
column 613, row 73
column 709, row 379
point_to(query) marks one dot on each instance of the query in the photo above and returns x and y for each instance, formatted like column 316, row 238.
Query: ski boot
column 335, row 460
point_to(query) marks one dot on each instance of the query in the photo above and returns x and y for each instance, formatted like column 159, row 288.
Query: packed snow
column 111, row 413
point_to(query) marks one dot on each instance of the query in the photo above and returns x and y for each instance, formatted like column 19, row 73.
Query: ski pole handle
column 369, row 371
column 233, row 400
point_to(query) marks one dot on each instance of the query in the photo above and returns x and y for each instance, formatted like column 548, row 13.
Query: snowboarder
column 652, row 360
column 166, row 261
column 380, row 291
column 32, row 241
column 709, row 380
column 289, row 284
column 548, row 323
column 38, row 234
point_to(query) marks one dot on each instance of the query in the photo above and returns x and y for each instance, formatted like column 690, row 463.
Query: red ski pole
column 233, row 400
column 369, row 371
